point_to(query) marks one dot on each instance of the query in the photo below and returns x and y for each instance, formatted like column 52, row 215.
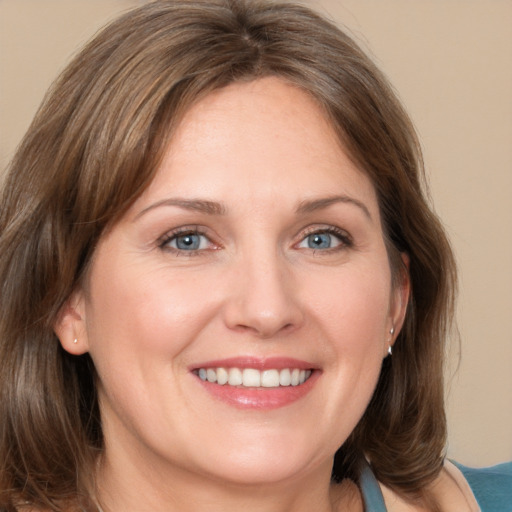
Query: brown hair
column 95, row 145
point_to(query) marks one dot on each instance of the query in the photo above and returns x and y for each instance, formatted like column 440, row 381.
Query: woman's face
column 254, row 260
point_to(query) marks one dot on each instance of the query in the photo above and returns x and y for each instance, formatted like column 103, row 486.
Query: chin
column 264, row 461
column 261, row 472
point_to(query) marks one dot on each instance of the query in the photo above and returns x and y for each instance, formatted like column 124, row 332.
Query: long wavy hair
column 92, row 149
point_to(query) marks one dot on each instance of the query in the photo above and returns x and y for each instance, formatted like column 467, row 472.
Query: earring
column 75, row 341
column 390, row 348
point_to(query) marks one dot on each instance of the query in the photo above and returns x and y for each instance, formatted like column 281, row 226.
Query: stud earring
column 75, row 341
column 390, row 350
column 392, row 331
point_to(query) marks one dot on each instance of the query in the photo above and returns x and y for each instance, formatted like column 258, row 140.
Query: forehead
column 264, row 139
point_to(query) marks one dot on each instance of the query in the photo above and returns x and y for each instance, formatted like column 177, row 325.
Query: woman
column 222, row 287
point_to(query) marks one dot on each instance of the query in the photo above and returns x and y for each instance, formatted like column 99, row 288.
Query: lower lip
column 260, row 398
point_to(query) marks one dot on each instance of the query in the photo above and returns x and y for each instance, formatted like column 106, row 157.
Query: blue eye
column 319, row 241
column 326, row 239
column 189, row 241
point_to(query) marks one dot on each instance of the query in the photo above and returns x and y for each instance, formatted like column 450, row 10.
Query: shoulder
column 491, row 486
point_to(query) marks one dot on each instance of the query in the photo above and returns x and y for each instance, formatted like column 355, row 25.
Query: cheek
column 139, row 325
column 146, row 313
column 353, row 317
column 353, row 304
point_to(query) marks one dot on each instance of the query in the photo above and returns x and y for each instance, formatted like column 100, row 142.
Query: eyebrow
column 313, row 205
column 215, row 208
column 196, row 205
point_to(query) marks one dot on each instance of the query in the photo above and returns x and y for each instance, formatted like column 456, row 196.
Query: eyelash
column 163, row 242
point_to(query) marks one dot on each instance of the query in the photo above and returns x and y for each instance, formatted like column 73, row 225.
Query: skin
column 149, row 312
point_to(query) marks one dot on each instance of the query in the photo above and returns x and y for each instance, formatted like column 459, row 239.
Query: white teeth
column 285, row 377
column 270, row 379
column 295, row 377
column 222, row 376
column 235, row 377
column 252, row 378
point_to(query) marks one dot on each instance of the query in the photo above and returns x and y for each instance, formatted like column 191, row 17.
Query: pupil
column 320, row 241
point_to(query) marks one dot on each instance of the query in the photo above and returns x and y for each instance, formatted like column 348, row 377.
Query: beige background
column 451, row 63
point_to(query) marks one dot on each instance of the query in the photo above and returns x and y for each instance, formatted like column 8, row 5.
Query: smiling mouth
column 253, row 378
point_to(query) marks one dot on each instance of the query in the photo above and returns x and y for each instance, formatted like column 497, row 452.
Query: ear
column 70, row 325
column 400, row 300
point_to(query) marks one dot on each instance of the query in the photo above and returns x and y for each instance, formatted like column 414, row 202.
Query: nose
column 263, row 299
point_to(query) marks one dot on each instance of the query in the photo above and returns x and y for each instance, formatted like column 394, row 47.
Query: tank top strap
column 372, row 495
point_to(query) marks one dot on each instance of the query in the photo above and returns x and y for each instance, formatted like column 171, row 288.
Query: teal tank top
column 492, row 488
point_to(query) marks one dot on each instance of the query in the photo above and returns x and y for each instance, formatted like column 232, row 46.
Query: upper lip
column 258, row 363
